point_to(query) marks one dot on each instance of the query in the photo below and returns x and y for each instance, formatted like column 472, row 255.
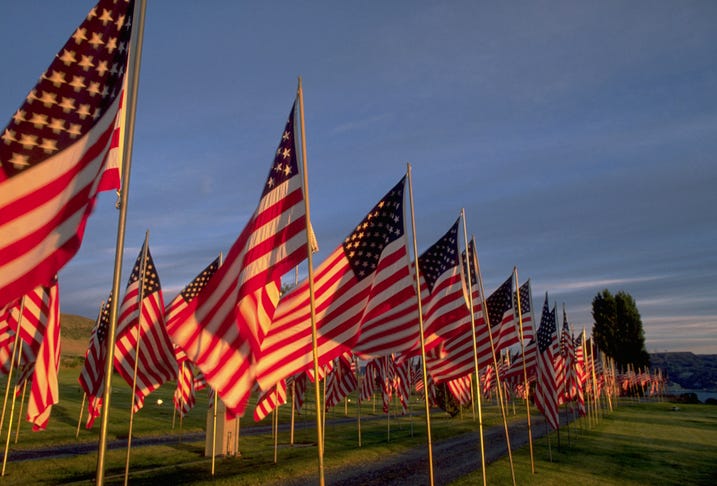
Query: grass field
column 639, row 443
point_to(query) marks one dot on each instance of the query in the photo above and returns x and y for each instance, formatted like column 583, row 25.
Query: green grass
column 638, row 444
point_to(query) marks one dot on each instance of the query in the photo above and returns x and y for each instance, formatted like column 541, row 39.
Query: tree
column 618, row 331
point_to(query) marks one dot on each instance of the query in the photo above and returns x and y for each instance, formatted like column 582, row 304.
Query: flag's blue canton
column 285, row 165
column 382, row 225
column 150, row 282
column 440, row 257
column 547, row 328
column 499, row 302
column 104, row 324
column 83, row 80
column 524, row 298
column 199, row 282
column 468, row 267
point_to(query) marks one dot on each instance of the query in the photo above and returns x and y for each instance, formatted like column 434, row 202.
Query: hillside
column 689, row 370
column 75, row 335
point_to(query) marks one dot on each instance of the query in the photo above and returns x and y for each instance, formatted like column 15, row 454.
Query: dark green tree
column 618, row 331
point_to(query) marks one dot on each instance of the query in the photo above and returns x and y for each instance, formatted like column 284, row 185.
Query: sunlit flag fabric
column 92, row 376
column 457, row 357
column 365, row 277
column 60, row 149
column 184, row 395
column 221, row 328
column 546, row 387
column 39, row 330
column 270, row 400
column 443, row 297
column 144, row 331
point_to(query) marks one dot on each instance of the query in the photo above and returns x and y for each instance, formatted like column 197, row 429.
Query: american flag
column 526, row 311
column 39, row 329
column 445, row 310
column 221, row 328
column 502, row 315
column 45, row 392
column 460, row 388
column 92, row 376
column 60, row 149
column 365, row 278
column 298, row 386
column 184, row 395
column 368, row 381
column 270, row 400
column 404, row 383
column 147, row 332
column 341, row 381
column 546, row 387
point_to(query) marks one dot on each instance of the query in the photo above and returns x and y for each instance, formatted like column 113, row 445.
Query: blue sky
column 580, row 137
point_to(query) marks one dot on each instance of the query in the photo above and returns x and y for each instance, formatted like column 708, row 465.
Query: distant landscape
column 688, row 370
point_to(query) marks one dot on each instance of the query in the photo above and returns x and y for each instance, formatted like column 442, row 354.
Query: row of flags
column 231, row 323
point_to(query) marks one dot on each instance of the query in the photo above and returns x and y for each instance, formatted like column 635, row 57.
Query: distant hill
column 75, row 334
column 689, row 370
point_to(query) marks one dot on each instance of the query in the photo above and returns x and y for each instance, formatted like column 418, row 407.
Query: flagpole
column 215, row 406
column 133, row 85
column 525, row 369
column 475, row 348
column 358, row 398
column 19, row 415
column 312, row 301
column 79, row 420
column 495, row 366
column 12, row 364
column 420, row 327
column 138, row 337
column 18, row 354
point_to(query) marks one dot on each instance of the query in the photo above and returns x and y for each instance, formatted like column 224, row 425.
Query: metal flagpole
column 12, row 365
column 15, row 353
column 84, row 395
column 358, row 398
column 79, row 420
column 312, row 302
column 475, row 347
column 525, row 370
column 133, row 85
column 19, row 415
column 420, row 328
column 140, row 296
column 214, row 408
column 486, row 315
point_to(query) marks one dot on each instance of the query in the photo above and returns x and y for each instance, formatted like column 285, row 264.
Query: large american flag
column 146, row 331
column 443, row 297
column 92, row 376
column 58, row 151
column 366, row 277
column 221, row 328
column 546, row 387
